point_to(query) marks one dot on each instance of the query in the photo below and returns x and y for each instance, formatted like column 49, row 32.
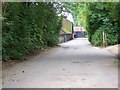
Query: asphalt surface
column 75, row 64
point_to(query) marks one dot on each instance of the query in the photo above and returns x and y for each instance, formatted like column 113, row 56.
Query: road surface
column 75, row 64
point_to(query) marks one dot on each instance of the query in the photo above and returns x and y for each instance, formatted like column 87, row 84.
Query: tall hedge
column 102, row 17
column 28, row 27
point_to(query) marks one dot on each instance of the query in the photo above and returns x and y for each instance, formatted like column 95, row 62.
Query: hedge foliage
column 97, row 17
column 103, row 17
column 28, row 27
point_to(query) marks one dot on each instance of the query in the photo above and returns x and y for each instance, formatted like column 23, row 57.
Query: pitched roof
column 67, row 26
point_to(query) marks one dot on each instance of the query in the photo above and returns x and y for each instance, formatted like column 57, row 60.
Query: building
column 66, row 31
column 79, row 32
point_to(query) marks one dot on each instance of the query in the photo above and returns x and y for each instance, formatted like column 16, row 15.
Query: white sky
column 70, row 17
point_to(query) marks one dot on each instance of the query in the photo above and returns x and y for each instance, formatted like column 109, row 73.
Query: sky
column 70, row 17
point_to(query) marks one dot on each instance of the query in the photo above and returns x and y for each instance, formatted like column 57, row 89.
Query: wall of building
column 65, row 37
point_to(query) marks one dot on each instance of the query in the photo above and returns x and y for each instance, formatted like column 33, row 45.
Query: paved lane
column 75, row 64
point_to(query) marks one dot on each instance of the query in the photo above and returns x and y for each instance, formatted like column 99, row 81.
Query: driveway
column 75, row 64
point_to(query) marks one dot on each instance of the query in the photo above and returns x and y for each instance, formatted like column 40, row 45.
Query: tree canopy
column 97, row 17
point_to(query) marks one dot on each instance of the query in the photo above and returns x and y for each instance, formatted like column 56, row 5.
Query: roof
column 62, row 32
column 67, row 26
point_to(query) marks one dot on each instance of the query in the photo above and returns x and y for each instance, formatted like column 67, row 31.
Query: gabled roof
column 67, row 26
column 64, row 32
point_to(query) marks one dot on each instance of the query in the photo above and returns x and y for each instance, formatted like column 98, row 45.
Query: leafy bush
column 111, row 36
column 102, row 17
column 28, row 27
column 97, row 38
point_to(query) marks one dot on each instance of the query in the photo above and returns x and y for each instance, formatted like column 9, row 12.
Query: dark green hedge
column 28, row 27
column 102, row 17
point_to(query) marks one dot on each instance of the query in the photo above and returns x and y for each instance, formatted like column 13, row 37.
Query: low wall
column 65, row 37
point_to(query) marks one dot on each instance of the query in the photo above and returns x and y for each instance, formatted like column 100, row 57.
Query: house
column 66, row 31
column 79, row 32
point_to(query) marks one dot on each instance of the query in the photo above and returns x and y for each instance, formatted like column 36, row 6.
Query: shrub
column 28, row 27
column 102, row 17
column 111, row 36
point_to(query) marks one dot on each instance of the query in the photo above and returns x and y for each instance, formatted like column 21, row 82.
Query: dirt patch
column 9, row 63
